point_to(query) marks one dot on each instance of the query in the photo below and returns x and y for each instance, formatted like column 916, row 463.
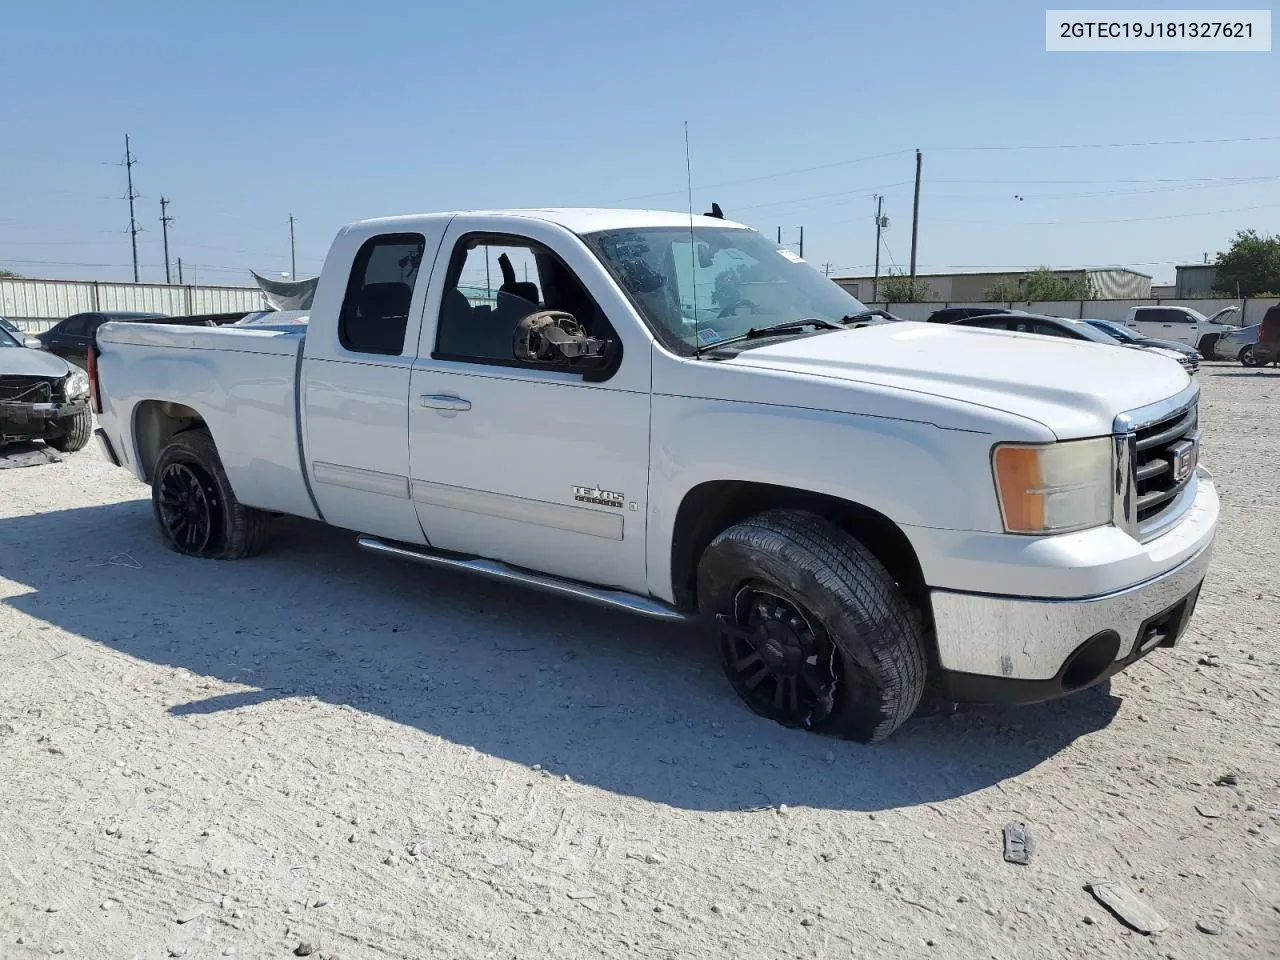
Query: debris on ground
column 1208, row 927
column 1127, row 906
column 1019, row 845
column 1227, row 780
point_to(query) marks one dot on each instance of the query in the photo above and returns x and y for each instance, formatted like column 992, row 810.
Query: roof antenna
column 693, row 244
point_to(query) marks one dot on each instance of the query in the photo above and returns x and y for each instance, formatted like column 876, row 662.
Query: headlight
column 77, row 384
column 1054, row 487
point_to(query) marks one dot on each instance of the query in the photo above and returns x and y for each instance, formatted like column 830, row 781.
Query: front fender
column 916, row 474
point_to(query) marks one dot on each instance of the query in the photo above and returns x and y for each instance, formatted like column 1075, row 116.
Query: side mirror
column 33, row 342
column 553, row 336
column 706, row 256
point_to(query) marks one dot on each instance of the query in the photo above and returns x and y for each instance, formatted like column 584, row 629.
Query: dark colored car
column 1135, row 339
column 70, row 338
column 1067, row 329
column 954, row 314
column 1267, row 349
column 42, row 397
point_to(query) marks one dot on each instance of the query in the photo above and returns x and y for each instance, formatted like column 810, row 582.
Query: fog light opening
column 1091, row 660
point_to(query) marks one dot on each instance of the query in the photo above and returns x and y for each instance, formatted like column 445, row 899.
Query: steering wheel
column 732, row 309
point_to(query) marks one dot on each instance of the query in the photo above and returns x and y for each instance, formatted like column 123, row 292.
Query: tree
column 9, row 275
column 1250, row 267
column 900, row 288
column 1042, row 283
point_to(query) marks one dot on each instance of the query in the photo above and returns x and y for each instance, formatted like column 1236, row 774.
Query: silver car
column 1238, row 345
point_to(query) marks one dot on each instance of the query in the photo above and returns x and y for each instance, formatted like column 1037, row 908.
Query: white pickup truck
column 1183, row 324
column 670, row 415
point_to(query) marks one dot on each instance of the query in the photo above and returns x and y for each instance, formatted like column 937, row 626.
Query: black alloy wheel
column 779, row 660
column 190, row 509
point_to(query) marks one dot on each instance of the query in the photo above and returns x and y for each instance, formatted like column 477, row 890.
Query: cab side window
column 493, row 283
column 375, row 310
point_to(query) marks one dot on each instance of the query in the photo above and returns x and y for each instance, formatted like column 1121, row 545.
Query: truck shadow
column 627, row 705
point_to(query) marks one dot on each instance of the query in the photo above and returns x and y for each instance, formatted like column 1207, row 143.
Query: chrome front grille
column 1157, row 454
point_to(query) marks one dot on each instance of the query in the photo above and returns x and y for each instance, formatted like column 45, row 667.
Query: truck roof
column 579, row 220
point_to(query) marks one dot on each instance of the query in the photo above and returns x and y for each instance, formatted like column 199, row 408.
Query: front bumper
column 31, row 418
column 1066, row 611
column 1100, row 635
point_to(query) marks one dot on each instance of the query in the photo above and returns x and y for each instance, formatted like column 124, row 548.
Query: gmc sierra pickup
column 670, row 415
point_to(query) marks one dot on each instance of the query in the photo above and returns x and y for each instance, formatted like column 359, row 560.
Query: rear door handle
column 443, row 401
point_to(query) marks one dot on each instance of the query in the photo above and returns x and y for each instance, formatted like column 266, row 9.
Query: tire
column 1246, row 356
column 76, row 431
column 811, row 629
column 198, row 514
column 1207, row 343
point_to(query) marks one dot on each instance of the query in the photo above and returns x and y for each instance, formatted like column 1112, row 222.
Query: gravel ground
column 319, row 750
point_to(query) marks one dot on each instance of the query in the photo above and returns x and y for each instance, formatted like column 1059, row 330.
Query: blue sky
column 242, row 113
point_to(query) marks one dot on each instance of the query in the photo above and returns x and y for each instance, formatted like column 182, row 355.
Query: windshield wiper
column 867, row 315
column 773, row 329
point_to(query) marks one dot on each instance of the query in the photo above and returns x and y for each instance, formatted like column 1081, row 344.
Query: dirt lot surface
column 319, row 750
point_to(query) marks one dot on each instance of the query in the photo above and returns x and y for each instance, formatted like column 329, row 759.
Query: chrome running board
column 613, row 599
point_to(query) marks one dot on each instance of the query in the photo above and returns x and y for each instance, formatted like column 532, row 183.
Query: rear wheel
column 1247, row 358
column 74, row 432
column 194, row 505
column 811, row 630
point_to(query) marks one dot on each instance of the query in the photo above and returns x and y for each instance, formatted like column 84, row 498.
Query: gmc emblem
column 1183, row 456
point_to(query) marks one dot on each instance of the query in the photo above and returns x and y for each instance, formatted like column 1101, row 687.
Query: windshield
column 714, row 283
column 1122, row 334
column 1089, row 332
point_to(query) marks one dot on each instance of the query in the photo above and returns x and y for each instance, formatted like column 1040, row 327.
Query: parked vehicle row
column 848, row 504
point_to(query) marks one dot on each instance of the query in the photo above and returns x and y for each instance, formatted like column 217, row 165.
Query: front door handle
column 443, row 401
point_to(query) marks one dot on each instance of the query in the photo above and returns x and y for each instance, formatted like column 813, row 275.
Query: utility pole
column 133, row 224
column 826, row 269
column 915, row 217
column 875, row 281
column 165, row 220
column 179, row 270
column 802, row 243
column 779, row 236
column 293, row 252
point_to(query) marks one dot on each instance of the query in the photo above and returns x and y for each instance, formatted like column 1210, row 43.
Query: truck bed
column 242, row 380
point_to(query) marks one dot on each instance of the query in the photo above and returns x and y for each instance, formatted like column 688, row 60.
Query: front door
column 540, row 465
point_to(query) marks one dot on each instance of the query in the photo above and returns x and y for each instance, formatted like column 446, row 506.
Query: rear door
column 539, row 465
column 1165, row 323
column 70, row 338
column 360, row 347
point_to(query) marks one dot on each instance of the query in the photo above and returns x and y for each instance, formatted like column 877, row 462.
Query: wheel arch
column 712, row 507
column 155, row 422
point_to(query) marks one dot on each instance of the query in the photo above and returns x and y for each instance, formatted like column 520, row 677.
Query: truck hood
column 26, row 362
column 1074, row 388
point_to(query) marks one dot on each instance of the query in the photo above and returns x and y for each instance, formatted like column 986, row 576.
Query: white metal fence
column 36, row 305
column 1251, row 309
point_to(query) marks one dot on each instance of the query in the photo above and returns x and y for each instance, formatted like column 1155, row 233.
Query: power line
column 1060, row 223
column 1108, row 146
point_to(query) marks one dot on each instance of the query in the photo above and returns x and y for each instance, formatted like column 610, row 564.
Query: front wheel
column 811, row 629
column 73, row 432
column 1207, row 344
column 194, row 505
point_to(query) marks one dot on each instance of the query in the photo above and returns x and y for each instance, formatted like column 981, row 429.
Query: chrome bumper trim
column 1029, row 638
